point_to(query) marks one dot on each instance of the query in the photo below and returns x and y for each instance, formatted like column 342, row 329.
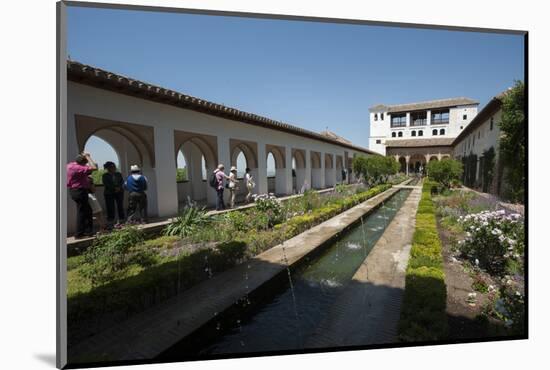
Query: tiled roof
column 431, row 104
column 412, row 143
column 332, row 135
column 89, row 75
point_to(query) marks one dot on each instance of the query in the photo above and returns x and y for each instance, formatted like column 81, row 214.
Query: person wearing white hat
column 136, row 184
column 232, row 186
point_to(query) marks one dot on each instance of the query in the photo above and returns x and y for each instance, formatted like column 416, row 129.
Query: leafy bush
column 181, row 174
column 494, row 240
column 445, row 171
column 375, row 169
column 110, row 254
column 269, row 207
column 423, row 315
column 187, row 222
column 237, row 221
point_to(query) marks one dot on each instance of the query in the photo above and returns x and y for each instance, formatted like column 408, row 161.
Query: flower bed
column 156, row 269
column 423, row 316
column 488, row 245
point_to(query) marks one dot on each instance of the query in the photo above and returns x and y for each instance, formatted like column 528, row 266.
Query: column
column 332, row 173
column 261, row 181
column 307, row 181
column 224, row 158
column 408, row 119
column 288, row 170
column 429, row 117
column 427, row 156
column 407, row 157
column 439, row 156
column 322, row 181
column 165, row 171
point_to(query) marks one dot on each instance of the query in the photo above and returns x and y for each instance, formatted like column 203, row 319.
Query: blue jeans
column 219, row 200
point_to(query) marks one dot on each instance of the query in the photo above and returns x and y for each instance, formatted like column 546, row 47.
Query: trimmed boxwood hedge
column 423, row 312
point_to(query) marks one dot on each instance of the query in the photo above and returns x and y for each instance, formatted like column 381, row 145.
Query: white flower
column 477, row 262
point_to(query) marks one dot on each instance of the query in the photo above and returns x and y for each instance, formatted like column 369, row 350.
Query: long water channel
column 295, row 310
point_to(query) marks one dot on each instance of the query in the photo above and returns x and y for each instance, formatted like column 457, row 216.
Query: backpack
column 213, row 180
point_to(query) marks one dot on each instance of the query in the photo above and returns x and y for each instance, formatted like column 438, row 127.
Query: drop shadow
column 46, row 358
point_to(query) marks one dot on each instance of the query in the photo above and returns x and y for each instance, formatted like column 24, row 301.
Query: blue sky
column 313, row 75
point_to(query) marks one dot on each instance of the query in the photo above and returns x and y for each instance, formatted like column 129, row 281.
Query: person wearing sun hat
column 136, row 184
column 232, row 185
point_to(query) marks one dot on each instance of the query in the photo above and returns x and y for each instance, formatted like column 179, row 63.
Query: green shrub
column 375, row 169
column 187, row 222
column 445, row 171
column 110, row 254
column 423, row 316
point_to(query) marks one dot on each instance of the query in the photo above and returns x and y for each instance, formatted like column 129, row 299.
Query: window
column 419, row 119
column 400, row 134
column 399, row 120
column 478, row 134
column 473, row 140
column 491, row 126
column 464, row 116
column 434, row 132
column 376, row 116
column 393, row 134
column 378, row 141
column 420, row 133
column 413, row 133
column 440, row 117
column 442, row 131
column 382, row 116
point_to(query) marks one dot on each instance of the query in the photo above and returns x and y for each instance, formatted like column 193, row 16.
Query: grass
column 423, row 316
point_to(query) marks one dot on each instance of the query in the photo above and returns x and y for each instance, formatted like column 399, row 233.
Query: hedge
column 423, row 312
column 298, row 224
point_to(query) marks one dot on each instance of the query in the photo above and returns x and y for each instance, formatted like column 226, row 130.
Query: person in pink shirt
column 78, row 186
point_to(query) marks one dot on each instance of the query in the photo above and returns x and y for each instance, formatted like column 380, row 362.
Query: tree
column 375, row 169
column 512, row 141
column 445, row 171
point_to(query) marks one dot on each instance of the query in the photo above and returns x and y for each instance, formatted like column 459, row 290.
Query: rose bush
column 494, row 240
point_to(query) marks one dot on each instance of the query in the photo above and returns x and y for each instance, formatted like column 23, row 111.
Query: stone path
column 368, row 310
column 147, row 334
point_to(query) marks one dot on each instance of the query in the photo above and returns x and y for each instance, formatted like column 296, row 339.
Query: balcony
column 419, row 122
column 440, row 117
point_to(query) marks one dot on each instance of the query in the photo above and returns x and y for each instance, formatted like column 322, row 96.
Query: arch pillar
column 427, row 156
column 307, row 181
column 439, row 156
column 407, row 159
column 261, row 184
column 322, row 181
column 165, row 172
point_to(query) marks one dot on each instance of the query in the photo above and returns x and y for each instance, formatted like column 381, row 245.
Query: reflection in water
column 286, row 321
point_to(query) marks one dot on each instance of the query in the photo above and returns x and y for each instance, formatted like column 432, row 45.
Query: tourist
column 249, row 184
column 113, row 192
column 232, row 185
column 136, row 184
column 97, row 211
column 78, row 185
column 219, row 176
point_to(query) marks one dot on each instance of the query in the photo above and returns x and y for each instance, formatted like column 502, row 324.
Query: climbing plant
column 488, row 168
column 512, row 142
